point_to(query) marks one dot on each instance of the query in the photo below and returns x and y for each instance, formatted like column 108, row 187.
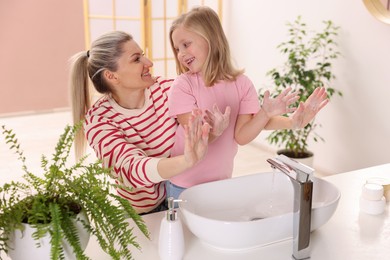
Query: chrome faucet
column 300, row 176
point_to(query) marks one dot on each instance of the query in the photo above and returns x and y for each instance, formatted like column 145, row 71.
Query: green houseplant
column 308, row 66
column 50, row 203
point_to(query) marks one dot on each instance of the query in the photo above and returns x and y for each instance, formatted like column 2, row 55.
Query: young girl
column 210, row 82
column 129, row 126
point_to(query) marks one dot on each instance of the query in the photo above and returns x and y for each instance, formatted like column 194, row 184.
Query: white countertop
column 349, row 234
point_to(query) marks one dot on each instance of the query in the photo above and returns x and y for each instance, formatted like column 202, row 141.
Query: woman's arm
column 196, row 136
column 131, row 165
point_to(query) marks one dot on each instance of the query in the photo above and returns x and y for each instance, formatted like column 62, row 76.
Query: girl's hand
column 217, row 121
column 279, row 105
column 196, row 135
column 308, row 110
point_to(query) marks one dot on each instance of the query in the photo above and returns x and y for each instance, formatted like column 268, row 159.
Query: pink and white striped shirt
column 132, row 141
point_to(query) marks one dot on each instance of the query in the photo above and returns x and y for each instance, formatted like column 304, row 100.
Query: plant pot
column 23, row 246
column 304, row 158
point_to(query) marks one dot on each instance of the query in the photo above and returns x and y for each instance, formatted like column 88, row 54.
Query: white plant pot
column 23, row 246
column 306, row 161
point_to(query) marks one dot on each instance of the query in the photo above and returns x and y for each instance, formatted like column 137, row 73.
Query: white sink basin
column 251, row 211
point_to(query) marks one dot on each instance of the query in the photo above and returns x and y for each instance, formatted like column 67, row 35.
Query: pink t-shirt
column 188, row 92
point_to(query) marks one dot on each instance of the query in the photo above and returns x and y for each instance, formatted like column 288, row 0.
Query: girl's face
column 133, row 68
column 191, row 49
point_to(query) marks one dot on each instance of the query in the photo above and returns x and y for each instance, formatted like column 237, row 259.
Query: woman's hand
column 308, row 110
column 279, row 105
column 196, row 135
column 217, row 121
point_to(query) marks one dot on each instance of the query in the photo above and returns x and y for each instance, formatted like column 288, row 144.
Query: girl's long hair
column 205, row 22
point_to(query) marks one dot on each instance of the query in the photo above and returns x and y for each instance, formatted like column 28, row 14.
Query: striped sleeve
column 131, row 166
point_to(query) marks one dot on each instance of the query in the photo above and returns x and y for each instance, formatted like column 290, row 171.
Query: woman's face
column 133, row 68
column 191, row 48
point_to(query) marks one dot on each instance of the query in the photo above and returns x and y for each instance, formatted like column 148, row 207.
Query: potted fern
column 308, row 66
column 66, row 199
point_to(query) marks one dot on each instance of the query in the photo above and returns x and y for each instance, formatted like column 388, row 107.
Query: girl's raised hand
column 281, row 104
column 217, row 121
column 308, row 110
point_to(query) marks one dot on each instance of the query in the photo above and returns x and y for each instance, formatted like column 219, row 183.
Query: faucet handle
column 295, row 165
column 294, row 169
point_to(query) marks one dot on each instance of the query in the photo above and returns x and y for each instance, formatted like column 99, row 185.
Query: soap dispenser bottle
column 171, row 239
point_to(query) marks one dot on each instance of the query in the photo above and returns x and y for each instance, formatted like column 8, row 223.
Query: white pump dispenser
column 171, row 239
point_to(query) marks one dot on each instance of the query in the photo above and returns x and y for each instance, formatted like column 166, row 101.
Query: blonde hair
column 87, row 66
column 205, row 22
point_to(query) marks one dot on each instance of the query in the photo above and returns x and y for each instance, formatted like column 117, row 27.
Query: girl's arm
column 249, row 126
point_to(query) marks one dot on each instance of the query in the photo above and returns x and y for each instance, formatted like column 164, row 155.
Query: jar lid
column 372, row 191
column 385, row 182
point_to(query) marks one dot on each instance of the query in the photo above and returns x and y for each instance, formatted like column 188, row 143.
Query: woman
column 129, row 126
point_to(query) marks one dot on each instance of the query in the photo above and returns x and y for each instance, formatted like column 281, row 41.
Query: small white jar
column 372, row 200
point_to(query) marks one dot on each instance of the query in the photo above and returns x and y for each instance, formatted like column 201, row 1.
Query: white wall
column 356, row 127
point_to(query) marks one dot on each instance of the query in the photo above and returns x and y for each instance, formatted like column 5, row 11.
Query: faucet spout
column 300, row 176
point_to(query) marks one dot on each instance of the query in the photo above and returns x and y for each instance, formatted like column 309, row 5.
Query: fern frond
column 131, row 213
column 71, row 235
column 57, row 252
